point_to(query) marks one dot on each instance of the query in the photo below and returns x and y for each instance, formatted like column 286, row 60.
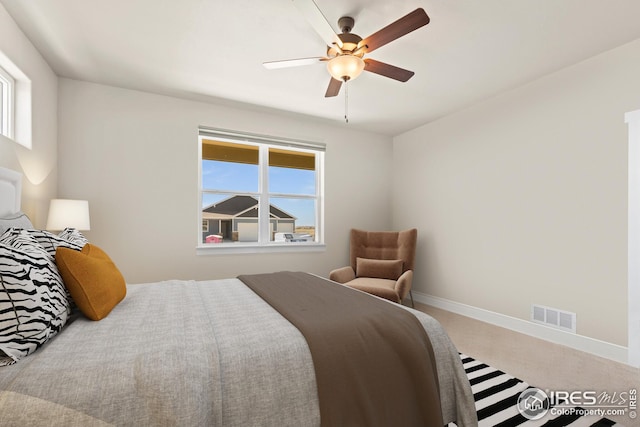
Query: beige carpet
column 538, row 362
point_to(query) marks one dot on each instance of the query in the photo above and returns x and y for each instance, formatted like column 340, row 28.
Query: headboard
column 10, row 191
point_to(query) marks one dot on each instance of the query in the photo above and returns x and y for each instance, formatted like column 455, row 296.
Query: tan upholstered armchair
column 381, row 263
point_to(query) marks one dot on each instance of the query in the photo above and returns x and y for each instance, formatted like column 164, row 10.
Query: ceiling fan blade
column 318, row 21
column 334, row 88
column 412, row 21
column 387, row 70
column 272, row 65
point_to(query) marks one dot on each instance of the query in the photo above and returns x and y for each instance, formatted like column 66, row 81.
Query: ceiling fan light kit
column 346, row 62
column 345, row 67
column 346, row 51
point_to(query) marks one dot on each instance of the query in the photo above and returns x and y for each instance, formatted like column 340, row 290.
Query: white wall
column 38, row 164
column 133, row 155
column 523, row 198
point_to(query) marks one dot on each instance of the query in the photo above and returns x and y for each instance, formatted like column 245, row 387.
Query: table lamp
column 65, row 213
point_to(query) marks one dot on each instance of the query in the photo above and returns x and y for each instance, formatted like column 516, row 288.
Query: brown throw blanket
column 374, row 362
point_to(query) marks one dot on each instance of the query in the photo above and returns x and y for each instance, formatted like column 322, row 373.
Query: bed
column 191, row 353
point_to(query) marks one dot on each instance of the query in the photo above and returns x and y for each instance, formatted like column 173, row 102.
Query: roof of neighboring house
column 241, row 206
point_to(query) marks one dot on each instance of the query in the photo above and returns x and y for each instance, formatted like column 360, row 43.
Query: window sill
column 252, row 248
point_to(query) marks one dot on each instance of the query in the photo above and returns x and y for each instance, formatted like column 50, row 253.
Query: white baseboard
column 593, row 346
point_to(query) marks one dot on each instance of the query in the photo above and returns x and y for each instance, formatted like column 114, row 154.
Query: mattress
column 189, row 353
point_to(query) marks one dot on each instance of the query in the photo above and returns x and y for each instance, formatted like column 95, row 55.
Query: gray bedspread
column 185, row 353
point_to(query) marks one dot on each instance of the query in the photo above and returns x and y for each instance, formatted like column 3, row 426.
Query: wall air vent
column 553, row 317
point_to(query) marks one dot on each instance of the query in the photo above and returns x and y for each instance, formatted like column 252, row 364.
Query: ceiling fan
column 345, row 51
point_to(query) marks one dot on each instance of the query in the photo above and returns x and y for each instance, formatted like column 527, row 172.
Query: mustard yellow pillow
column 93, row 280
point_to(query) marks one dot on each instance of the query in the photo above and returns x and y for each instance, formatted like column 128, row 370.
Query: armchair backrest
column 389, row 245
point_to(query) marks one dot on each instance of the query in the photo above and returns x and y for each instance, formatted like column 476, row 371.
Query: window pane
column 229, row 176
column 229, row 219
column 292, row 181
column 292, row 219
column 291, row 172
column 209, row 199
column 229, row 166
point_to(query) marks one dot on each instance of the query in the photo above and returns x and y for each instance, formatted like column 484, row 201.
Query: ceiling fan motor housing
column 346, row 24
column 349, row 45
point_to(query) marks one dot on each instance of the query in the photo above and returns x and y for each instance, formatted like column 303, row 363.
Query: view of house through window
column 259, row 191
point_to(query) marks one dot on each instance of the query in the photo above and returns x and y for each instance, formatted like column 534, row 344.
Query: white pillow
column 16, row 220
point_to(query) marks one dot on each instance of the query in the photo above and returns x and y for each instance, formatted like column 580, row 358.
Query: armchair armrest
column 342, row 275
column 403, row 285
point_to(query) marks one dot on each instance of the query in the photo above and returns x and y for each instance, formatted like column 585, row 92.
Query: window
column 15, row 103
column 259, row 192
column 7, row 103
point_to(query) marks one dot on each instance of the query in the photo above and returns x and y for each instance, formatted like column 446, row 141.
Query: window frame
column 263, row 142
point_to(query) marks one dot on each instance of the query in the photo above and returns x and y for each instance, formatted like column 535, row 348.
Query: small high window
column 7, row 103
column 15, row 103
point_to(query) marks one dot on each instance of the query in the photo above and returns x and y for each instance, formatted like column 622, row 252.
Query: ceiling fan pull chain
column 346, row 101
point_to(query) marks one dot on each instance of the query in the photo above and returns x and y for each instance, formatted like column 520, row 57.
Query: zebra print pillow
column 33, row 302
column 73, row 236
column 69, row 238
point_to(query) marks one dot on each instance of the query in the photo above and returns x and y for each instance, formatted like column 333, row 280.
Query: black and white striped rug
column 496, row 394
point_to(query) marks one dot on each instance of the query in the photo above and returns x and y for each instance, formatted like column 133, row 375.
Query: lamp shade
column 65, row 213
column 345, row 67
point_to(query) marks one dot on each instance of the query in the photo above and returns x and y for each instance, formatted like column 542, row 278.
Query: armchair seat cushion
column 383, row 288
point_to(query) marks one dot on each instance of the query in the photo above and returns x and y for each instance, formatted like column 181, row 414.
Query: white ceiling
column 214, row 49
